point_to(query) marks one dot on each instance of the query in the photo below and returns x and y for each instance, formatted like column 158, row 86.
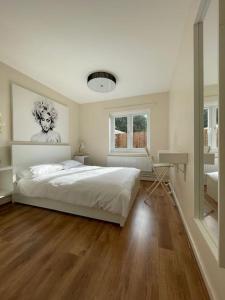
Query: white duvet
column 103, row 188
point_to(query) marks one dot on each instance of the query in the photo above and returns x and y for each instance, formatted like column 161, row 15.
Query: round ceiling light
column 101, row 82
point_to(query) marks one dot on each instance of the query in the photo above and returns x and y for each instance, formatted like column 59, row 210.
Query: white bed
column 96, row 192
column 212, row 185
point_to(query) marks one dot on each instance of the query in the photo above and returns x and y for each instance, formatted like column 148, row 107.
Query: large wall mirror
column 210, row 147
column 209, row 119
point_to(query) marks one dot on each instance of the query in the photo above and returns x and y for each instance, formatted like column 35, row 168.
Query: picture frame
column 37, row 118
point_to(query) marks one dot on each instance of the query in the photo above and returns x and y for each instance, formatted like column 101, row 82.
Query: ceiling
column 60, row 42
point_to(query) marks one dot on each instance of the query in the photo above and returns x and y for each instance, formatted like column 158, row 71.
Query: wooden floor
column 51, row 255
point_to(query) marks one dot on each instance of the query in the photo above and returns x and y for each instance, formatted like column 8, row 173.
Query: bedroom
column 59, row 137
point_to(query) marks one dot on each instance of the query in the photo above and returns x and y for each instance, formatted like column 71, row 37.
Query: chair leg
column 155, row 181
column 160, row 175
column 151, row 186
column 155, row 184
column 159, row 179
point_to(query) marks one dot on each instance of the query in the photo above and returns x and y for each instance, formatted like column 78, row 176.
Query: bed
column 212, row 185
column 97, row 192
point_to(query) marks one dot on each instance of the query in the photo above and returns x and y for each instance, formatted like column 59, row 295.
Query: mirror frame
column 198, row 126
column 222, row 133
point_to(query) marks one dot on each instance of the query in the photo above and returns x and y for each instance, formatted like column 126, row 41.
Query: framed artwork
column 37, row 118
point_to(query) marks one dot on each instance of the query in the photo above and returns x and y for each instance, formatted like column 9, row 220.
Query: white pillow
column 27, row 174
column 38, row 170
column 68, row 164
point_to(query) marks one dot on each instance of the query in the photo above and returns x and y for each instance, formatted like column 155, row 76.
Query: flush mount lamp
column 101, row 82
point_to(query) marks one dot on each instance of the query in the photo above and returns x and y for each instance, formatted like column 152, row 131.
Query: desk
column 175, row 158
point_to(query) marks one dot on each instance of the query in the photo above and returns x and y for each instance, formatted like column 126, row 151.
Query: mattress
column 212, row 185
column 103, row 188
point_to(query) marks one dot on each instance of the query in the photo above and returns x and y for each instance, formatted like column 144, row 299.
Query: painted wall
column 94, row 123
column 182, row 139
column 8, row 74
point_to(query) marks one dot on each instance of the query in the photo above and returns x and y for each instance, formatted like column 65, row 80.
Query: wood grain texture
column 51, row 255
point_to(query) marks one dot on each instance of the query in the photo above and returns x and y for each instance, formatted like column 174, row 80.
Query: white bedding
column 103, row 188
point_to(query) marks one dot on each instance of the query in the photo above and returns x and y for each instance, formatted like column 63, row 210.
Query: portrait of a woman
column 46, row 116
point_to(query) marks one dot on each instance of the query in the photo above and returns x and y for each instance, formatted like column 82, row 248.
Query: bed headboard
column 24, row 156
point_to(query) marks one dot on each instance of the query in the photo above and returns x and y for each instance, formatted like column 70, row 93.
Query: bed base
column 76, row 209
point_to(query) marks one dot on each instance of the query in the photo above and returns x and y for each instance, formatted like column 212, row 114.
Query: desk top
column 165, row 156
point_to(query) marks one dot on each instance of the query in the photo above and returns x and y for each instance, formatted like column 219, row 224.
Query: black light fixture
column 101, row 82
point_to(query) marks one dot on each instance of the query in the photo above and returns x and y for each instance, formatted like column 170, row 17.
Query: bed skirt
column 83, row 211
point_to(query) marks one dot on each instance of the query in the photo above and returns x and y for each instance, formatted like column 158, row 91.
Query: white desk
column 175, row 158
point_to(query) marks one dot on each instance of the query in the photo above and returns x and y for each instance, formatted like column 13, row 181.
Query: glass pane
column 140, row 131
column 206, row 125
column 120, row 132
column 206, row 139
column 206, row 121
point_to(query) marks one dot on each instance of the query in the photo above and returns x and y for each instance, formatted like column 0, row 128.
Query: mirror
column 209, row 203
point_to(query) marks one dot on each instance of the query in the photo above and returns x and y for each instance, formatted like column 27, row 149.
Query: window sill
column 134, row 154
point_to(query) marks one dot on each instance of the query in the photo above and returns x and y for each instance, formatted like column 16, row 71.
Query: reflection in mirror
column 209, row 205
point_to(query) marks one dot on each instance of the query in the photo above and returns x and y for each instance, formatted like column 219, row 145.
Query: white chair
column 161, row 172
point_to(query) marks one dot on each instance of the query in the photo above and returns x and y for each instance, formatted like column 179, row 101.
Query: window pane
column 206, row 139
column 206, row 116
column 140, row 131
column 120, row 132
column 206, row 124
column 217, row 127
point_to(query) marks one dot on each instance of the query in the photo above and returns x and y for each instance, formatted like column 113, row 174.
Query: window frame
column 212, row 125
column 129, row 115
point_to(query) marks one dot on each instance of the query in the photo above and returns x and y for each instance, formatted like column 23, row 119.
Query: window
column 211, row 127
column 206, row 127
column 129, row 131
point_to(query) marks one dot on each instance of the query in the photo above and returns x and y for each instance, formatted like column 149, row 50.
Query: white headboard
column 24, row 156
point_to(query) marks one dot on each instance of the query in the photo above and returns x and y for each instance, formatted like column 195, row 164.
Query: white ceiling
column 59, row 42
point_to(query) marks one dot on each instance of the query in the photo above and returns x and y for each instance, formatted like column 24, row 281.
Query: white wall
column 8, row 74
column 94, row 123
column 182, row 139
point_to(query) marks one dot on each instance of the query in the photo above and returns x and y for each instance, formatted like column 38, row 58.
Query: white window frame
column 212, row 136
column 129, row 115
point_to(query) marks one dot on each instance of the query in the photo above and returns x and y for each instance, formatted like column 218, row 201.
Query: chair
column 160, row 170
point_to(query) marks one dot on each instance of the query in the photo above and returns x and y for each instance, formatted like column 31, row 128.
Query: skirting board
column 78, row 210
column 194, row 248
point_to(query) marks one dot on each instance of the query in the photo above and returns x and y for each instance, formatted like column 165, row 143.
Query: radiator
column 139, row 162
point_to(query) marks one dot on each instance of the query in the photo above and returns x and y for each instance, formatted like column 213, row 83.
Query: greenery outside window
column 129, row 132
column 211, row 130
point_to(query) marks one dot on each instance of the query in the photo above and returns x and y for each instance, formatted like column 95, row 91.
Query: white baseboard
column 194, row 248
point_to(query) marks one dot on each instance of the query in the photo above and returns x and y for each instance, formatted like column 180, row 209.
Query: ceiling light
column 101, row 82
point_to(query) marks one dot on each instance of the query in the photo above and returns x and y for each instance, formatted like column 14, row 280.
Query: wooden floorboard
column 51, row 255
